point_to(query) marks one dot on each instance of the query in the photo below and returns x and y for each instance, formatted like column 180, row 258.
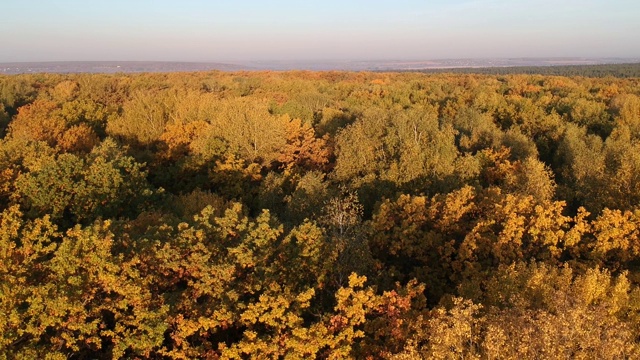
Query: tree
column 72, row 189
column 143, row 119
column 303, row 148
column 38, row 121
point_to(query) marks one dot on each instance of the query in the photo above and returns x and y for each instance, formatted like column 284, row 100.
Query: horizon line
column 340, row 59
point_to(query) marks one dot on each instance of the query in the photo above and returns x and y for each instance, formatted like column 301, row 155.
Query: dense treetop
column 319, row 215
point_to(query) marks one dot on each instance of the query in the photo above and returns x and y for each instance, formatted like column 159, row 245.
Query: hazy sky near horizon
column 245, row 30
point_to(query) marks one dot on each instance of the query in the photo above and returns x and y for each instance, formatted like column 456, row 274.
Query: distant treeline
column 614, row 70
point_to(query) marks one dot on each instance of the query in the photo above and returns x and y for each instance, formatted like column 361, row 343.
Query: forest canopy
column 330, row 215
column 623, row 70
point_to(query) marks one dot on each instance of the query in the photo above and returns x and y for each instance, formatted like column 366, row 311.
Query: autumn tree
column 68, row 187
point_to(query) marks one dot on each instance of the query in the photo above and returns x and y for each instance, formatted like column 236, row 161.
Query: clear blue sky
column 227, row 30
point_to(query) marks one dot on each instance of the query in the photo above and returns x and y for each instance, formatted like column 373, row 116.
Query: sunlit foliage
column 326, row 215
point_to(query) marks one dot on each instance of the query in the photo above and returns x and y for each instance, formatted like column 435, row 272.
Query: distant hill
column 111, row 67
column 548, row 66
column 427, row 65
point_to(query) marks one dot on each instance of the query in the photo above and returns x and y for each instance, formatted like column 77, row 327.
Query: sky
column 310, row 30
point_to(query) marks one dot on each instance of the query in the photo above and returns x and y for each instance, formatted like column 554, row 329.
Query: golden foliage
column 39, row 122
column 333, row 215
column 303, row 149
column 78, row 138
column 178, row 137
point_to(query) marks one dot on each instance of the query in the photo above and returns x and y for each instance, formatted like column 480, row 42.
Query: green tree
column 72, row 189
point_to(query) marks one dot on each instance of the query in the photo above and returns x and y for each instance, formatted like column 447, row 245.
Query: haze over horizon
column 287, row 30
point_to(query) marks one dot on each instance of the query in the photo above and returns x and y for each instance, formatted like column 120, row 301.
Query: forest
column 319, row 215
column 623, row 70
